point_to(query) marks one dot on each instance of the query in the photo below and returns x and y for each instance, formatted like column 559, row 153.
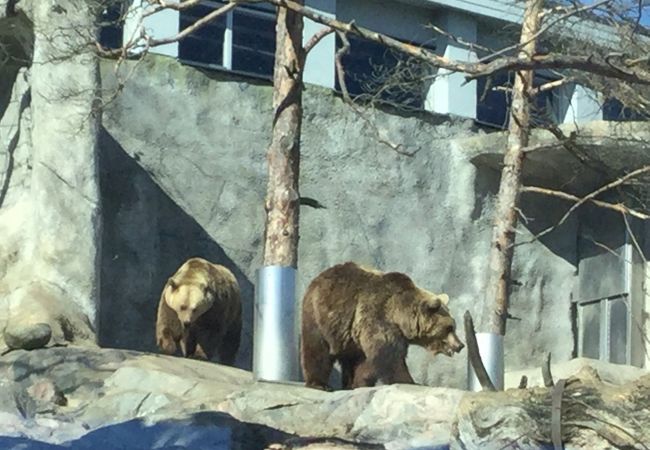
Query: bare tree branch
column 619, row 207
column 316, row 38
column 200, row 23
column 550, row 86
column 615, row 66
column 340, row 73
column 475, row 356
column 544, row 28
column 590, row 197
column 546, row 371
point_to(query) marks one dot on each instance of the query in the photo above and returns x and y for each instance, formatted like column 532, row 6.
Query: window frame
column 552, row 109
column 386, row 50
column 262, row 11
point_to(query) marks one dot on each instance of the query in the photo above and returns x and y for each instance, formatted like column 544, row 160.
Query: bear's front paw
column 167, row 346
column 319, row 386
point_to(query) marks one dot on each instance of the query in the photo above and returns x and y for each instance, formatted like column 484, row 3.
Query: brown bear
column 200, row 309
column 366, row 319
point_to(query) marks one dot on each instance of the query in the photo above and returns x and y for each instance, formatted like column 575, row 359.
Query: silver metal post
column 490, row 347
column 275, row 342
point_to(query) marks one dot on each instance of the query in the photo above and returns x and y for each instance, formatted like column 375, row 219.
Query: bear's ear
column 431, row 306
column 172, row 284
column 444, row 299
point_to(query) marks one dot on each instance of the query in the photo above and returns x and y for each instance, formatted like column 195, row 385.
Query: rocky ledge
column 84, row 398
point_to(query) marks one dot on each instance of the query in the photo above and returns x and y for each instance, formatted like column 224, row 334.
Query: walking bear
column 366, row 319
column 200, row 309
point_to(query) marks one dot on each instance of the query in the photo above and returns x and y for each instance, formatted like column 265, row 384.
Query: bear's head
column 435, row 329
column 188, row 300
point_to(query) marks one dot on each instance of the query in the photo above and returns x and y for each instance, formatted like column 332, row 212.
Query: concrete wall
column 183, row 173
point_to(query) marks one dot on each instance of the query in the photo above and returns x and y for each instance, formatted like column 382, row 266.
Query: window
column 373, row 70
column 204, row 46
column 253, row 41
column 242, row 40
column 495, row 94
column 544, row 109
column 111, row 25
column 614, row 110
column 610, row 290
column 604, row 329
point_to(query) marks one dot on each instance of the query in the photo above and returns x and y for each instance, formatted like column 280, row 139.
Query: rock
column 608, row 372
column 84, row 398
column 27, row 336
column 39, row 308
column 45, row 391
column 322, row 444
column 594, row 415
column 114, row 393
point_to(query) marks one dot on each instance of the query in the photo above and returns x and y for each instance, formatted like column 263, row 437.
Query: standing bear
column 366, row 319
column 200, row 309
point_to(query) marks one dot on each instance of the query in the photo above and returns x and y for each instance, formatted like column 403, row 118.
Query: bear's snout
column 455, row 345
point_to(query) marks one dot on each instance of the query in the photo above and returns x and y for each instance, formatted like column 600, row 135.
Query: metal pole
column 275, row 342
column 490, row 346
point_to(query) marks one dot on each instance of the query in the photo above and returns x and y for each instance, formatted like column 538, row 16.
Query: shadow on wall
column 146, row 237
column 539, row 213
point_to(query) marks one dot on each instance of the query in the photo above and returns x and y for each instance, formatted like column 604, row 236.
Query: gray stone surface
column 152, row 401
column 183, row 174
column 607, row 372
column 66, row 221
column 49, row 204
column 102, row 398
column 46, row 304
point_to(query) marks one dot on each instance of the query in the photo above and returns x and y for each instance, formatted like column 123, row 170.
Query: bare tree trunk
column 503, row 236
column 283, row 156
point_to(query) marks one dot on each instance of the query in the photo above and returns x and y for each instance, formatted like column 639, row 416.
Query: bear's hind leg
column 385, row 351
column 349, row 367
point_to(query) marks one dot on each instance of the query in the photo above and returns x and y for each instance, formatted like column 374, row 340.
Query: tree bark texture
column 503, row 235
column 593, row 415
column 283, row 156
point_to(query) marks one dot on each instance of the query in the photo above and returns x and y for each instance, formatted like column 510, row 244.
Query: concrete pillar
column 579, row 105
column 319, row 67
column 159, row 25
column 276, row 327
column 447, row 94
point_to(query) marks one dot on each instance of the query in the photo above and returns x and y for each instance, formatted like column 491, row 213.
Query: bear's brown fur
column 366, row 319
column 200, row 309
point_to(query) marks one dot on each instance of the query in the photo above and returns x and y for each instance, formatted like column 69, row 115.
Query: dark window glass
column 111, row 26
column 371, row 69
column 495, row 95
column 618, row 331
column 590, row 321
column 204, row 46
column 542, row 111
column 493, row 103
column 614, row 110
column 253, row 41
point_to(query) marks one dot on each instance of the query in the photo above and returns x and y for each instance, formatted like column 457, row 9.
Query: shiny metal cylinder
column 275, row 322
column 490, row 347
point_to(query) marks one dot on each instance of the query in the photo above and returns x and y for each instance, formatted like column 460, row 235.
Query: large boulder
column 89, row 398
column 38, row 315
